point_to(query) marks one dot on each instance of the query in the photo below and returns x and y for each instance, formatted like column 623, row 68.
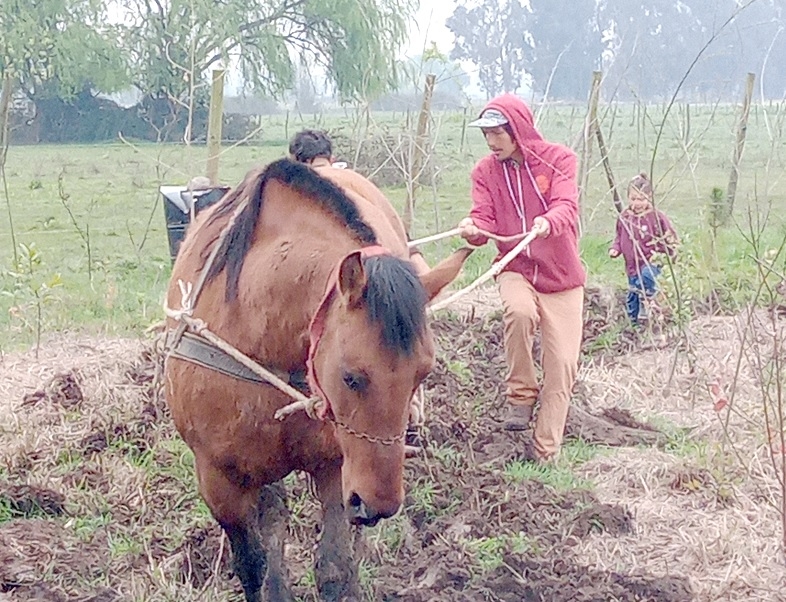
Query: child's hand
column 613, row 253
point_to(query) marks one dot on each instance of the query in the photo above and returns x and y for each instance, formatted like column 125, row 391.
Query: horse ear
column 444, row 272
column 352, row 279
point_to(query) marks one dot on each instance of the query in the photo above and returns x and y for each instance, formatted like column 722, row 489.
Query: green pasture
column 91, row 246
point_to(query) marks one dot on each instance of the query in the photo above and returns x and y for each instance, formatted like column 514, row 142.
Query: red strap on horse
column 317, row 327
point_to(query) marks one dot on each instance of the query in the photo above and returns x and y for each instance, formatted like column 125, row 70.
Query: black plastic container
column 178, row 202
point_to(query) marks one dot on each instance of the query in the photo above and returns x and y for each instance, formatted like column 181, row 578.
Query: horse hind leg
column 335, row 567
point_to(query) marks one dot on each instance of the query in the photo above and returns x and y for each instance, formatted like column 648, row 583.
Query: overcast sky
column 430, row 26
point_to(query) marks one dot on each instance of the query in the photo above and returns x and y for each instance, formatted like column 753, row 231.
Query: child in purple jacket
column 642, row 233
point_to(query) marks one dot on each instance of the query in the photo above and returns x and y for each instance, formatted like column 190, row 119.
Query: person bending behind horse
column 643, row 233
column 528, row 184
column 315, row 148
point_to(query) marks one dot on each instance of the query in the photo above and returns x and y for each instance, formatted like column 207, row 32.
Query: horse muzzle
column 360, row 513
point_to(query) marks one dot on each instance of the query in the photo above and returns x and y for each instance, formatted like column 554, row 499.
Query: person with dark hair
column 528, row 184
column 311, row 145
column 643, row 233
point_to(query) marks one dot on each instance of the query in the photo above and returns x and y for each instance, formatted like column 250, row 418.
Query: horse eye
column 355, row 382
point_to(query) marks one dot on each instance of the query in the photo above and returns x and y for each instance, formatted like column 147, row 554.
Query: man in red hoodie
column 528, row 184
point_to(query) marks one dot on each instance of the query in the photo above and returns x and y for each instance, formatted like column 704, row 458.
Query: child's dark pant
column 645, row 282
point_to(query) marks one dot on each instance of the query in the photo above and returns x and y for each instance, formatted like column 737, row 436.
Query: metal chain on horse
column 365, row 436
column 190, row 295
column 309, row 404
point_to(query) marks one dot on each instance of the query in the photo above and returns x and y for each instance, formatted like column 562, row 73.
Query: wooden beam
column 739, row 144
column 214, row 124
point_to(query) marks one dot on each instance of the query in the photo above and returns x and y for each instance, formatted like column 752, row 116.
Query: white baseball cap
column 490, row 118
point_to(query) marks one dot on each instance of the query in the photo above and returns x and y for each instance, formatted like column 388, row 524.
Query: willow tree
column 174, row 43
column 57, row 48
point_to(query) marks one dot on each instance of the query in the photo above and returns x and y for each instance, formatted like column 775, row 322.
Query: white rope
column 491, row 273
column 309, row 404
column 186, row 301
column 457, row 231
column 434, row 237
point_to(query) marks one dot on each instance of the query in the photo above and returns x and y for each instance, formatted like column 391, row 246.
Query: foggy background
column 85, row 70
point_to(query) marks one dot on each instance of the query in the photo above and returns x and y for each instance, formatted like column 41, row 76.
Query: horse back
column 356, row 186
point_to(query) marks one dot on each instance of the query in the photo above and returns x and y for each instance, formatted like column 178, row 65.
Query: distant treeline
column 90, row 118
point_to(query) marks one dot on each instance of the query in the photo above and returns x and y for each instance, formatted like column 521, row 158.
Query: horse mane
column 298, row 177
column 396, row 299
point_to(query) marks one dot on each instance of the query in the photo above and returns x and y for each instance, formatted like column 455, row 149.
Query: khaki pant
column 561, row 322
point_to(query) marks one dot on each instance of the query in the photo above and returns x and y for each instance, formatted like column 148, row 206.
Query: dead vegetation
column 383, row 155
column 98, row 500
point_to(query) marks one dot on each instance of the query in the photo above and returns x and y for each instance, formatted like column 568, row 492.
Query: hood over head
column 509, row 108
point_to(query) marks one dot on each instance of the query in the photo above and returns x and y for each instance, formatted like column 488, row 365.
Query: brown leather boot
column 517, row 418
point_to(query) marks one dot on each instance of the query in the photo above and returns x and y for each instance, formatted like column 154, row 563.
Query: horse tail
column 296, row 176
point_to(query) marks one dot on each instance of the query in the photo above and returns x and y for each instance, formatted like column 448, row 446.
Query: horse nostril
column 355, row 501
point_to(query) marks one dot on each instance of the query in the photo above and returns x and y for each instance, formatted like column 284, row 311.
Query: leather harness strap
column 193, row 348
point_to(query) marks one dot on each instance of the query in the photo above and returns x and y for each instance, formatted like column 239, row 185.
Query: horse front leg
column 248, row 559
column 273, row 523
column 335, row 567
column 249, row 517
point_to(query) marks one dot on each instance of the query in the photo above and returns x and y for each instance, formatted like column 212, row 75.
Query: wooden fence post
column 604, row 155
column 590, row 125
column 742, row 128
column 6, row 93
column 419, row 152
column 215, row 121
column 463, row 132
column 5, row 112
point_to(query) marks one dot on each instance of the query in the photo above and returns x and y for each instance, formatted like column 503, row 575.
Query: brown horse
column 307, row 280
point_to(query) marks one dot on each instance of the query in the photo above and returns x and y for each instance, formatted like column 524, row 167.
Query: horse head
column 371, row 350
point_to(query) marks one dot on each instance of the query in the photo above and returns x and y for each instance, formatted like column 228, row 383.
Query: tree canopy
column 488, row 35
column 354, row 41
column 645, row 47
column 55, row 48
column 163, row 47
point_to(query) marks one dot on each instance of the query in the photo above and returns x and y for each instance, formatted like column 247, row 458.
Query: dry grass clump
column 728, row 548
column 709, row 505
column 384, row 156
column 86, row 438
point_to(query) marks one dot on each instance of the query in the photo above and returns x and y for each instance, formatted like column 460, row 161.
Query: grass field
column 98, row 260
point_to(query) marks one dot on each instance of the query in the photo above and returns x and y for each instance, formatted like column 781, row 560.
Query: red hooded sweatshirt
column 506, row 197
